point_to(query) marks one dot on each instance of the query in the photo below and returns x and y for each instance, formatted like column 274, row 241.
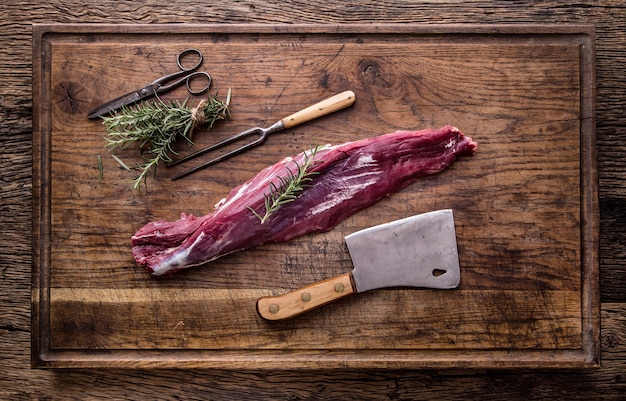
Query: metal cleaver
column 417, row 251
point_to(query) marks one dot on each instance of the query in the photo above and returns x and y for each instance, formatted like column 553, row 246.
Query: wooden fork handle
column 325, row 107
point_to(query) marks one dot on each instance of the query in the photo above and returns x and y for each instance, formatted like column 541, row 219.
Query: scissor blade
column 124, row 100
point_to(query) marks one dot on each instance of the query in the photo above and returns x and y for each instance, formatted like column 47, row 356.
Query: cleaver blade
column 417, row 251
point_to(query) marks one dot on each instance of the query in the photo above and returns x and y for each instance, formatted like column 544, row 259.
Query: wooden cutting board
column 525, row 204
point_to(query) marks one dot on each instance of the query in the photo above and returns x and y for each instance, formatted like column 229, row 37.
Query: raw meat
column 351, row 177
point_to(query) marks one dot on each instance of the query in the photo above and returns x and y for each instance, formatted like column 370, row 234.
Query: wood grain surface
column 19, row 382
column 523, row 94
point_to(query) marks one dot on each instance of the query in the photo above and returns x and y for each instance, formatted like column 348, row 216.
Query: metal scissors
column 161, row 85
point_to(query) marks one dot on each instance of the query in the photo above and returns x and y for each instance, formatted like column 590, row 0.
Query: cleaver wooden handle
column 305, row 299
column 327, row 106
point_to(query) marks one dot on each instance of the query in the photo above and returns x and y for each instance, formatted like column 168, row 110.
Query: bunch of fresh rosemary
column 289, row 187
column 155, row 126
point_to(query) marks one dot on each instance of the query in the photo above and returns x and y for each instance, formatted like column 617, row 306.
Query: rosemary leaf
column 121, row 163
column 290, row 187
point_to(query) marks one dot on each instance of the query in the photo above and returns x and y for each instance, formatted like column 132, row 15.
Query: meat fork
column 325, row 107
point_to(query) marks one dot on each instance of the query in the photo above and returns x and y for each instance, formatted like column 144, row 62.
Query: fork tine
column 227, row 141
column 222, row 157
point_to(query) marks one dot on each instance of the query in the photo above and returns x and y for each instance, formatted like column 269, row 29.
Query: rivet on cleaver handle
column 418, row 251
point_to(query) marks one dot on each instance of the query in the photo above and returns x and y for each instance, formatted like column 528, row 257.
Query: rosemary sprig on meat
column 157, row 125
column 289, row 188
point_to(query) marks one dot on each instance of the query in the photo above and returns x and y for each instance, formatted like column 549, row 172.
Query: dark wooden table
column 19, row 382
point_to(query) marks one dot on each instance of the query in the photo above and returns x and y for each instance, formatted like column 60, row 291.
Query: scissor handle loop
column 193, row 76
column 185, row 74
column 186, row 52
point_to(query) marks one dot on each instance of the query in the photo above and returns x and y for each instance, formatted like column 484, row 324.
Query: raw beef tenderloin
column 349, row 177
